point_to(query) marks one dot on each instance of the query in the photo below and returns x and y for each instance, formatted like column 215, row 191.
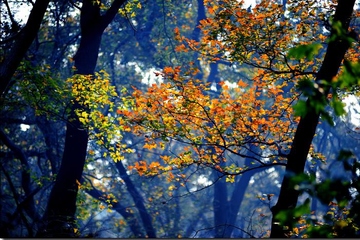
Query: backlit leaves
column 181, row 109
column 40, row 89
column 96, row 95
column 130, row 8
column 282, row 49
column 308, row 51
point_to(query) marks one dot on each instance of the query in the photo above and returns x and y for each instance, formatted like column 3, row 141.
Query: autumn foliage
column 248, row 118
column 181, row 109
column 252, row 118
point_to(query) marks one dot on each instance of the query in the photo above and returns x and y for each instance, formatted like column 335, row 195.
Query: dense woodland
column 171, row 119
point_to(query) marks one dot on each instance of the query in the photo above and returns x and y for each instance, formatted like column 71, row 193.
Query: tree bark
column 59, row 217
column 304, row 135
column 50, row 131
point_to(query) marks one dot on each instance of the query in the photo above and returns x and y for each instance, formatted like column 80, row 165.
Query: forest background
column 179, row 119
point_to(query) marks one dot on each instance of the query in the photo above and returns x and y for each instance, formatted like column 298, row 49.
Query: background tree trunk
column 220, row 205
column 139, row 201
column 238, row 195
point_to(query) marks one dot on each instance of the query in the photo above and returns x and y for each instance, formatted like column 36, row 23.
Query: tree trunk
column 130, row 218
column 304, row 135
column 238, row 196
column 220, row 206
column 50, row 130
column 59, row 218
column 139, row 201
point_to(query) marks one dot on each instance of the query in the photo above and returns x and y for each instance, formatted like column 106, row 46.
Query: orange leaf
column 168, row 70
column 242, row 84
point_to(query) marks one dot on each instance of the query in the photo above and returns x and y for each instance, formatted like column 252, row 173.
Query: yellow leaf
column 150, row 146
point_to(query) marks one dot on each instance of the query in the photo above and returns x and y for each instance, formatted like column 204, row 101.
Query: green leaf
column 324, row 231
column 302, row 209
column 338, row 107
column 301, row 108
column 304, row 51
column 326, row 116
column 331, row 189
column 289, row 217
column 350, row 77
column 306, row 86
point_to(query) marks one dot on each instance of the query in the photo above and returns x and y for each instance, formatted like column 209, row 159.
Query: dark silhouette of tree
column 18, row 43
column 59, row 218
column 304, row 135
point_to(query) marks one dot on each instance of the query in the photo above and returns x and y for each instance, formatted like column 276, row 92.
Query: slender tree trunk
column 304, row 135
column 196, row 35
column 238, row 196
column 130, row 218
column 49, row 130
column 27, row 201
column 21, row 44
column 220, row 206
column 139, row 201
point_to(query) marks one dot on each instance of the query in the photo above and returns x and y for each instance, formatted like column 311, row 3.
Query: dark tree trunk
column 59, row 218
column 50, row 130
column 220, row 206
column 304, row 135
column 21, row 44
